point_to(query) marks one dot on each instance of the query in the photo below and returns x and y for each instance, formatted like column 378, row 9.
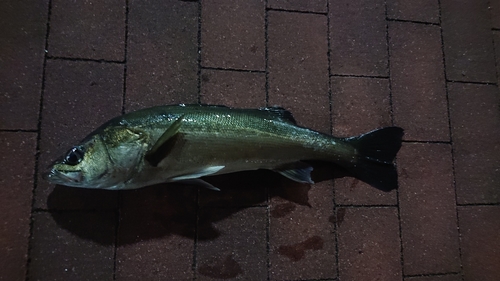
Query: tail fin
column 376, row 153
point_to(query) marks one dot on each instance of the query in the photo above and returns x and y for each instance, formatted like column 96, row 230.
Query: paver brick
column 475, row 124
column 302, row 232
column 16, row 186
column 496, row 40
column 231, row 88
column 298, row 67
column 479, row 230
column 22, row 44
column 87, row 29
column 241, row 245
column 421, row 11
column 229, row 42
column 79, row 97
column 318, row 6
column 427, row 209
column 58, row 253
column 468, row 45
column 156, row 233
column 358, row 43
column 360, row 105
column 494, row 8
column 162, row 53
column 368, row 244
column 418, row 82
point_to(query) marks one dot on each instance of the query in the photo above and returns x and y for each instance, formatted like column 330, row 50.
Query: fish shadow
column 173, row 209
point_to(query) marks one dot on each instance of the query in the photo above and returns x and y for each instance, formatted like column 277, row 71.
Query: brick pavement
column 344, row 67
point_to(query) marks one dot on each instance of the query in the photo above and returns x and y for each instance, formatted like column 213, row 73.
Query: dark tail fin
column 376, row 153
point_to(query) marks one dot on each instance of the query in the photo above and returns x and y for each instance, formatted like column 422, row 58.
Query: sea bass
column 182, row 143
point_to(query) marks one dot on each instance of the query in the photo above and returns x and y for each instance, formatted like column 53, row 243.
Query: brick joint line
column 268, row 195
column 367, row 206
column 232, row 69
column 19, row 130
column 38, row 138
column 297, row 11
column 472, row 82
column 478, row 204
column 196, row 217
column 330, row 99
column 71, row 211
column 85, row 60
column 423, row 141
column 391, row 107
column 412, row 21
column 433, row 274
column 451, row 141
column 360, row 76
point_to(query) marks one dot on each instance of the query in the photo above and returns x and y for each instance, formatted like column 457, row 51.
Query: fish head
column 105, row 160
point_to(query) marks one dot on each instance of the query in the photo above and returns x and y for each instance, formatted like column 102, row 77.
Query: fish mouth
column 63, row 177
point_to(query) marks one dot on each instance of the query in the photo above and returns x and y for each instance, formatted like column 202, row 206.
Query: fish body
column 186, row 142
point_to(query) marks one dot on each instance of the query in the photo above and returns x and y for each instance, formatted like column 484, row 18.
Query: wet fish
column 183, row 143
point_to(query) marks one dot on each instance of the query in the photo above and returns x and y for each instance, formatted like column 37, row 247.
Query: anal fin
column 200, row 183
column 299, row 172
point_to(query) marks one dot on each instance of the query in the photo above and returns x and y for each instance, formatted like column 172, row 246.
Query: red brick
column 494, row 7
column 475, row 121
column 79, row 97
column 227, row 41
column 231, row 88
column 23, row 29
column 421, row 11
column 318, row 6
column 418, row 82
column 451, row 277
column 427, row 209
column 87, row 29
column 156, row 233
column 16, row 186
column 358, row 37
column 496, row 40
column 68, row 253
column 360, row 105
column 298, row 66
column 241, row 245
column 479, row 230
column 368, row 244
column 468, row 46
column 302, row 242
column 162, row 53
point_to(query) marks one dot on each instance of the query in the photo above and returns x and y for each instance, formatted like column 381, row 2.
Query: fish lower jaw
column 73, row 179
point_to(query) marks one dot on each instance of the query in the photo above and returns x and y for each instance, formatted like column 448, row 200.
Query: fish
column 185, row 143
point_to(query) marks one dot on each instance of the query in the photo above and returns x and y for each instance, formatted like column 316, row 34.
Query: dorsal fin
column 280, row 113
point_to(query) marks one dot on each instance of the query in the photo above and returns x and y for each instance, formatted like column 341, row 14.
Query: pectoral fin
column 299, row 172
column 165, row 143
column 198, row 174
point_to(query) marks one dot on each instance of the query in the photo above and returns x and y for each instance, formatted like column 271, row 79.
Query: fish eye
column 74, row 156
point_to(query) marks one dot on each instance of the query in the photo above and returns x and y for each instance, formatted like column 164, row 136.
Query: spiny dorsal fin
column 280, row 113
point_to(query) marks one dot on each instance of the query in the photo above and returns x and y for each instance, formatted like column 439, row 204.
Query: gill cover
column 105, row 159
